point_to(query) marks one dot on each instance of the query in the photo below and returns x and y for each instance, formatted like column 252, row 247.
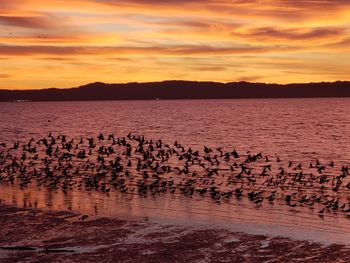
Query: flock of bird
column 135, row 165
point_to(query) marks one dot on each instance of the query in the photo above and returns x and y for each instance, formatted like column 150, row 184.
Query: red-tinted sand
column 113, row 240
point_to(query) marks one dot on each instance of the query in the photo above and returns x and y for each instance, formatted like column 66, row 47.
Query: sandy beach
column 29, row 235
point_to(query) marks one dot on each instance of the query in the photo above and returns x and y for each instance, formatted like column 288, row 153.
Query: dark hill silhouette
column 181, row 90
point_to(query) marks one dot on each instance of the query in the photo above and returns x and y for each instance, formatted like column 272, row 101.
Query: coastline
column 179, row 89
column 61, row 236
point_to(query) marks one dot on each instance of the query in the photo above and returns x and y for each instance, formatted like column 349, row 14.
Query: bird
column 84, row 217
column 133, row 164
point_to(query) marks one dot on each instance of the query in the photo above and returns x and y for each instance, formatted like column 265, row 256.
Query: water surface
column 300, row 130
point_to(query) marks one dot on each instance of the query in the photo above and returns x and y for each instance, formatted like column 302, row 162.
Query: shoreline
column 57, row 236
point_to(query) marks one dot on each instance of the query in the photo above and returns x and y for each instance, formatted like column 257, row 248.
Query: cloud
column 292, row 34
column 248, row 3
column 339, row 46
column 26, row 22
column 180, row 50
column 209, row 68
column 146, row 40
column 250, row 78
column 286, row 10
column 4, row 76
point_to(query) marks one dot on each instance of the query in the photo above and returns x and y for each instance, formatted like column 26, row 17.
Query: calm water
column 295, row 129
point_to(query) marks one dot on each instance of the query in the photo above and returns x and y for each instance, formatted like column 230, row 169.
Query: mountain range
column 180, row 90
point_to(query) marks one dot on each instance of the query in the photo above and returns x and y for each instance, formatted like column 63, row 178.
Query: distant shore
column 34, row 235
column 170, row 90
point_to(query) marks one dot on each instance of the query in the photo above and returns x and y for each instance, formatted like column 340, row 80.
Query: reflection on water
column 299, row 130
column 275, row 220
column 294, row 128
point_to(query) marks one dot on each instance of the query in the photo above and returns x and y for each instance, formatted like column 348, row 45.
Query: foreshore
column 33, row 235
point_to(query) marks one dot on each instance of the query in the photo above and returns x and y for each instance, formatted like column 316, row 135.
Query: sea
column 295, row 130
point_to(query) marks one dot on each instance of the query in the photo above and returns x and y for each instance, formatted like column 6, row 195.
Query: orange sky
column 67, row 43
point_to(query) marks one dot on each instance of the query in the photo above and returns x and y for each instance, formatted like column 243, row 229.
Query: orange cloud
column 309, row 36
column 4, row 76
column 26, row 22
column 181, row 50
column 66, row 43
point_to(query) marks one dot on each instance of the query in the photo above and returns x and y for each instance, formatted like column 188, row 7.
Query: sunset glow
column 65, row 43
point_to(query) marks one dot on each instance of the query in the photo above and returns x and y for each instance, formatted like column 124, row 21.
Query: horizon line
column 175, row 80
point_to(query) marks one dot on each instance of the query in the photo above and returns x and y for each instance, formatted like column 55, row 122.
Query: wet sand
column 60, row 236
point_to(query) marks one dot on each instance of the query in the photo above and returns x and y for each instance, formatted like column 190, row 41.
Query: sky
column 68, row 43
